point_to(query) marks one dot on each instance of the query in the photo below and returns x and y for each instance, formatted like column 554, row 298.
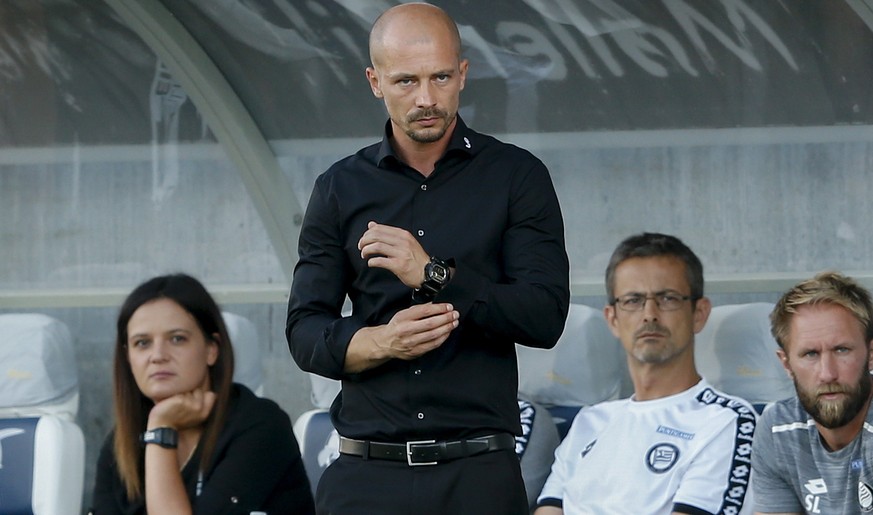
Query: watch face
column 436, row 275
column 439, row 273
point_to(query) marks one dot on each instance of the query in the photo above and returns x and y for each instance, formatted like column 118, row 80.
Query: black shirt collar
column 463, row 140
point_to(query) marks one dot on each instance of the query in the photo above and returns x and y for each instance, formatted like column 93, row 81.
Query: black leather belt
column 426, row 452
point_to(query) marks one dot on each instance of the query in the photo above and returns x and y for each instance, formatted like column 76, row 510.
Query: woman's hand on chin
column 183, row 410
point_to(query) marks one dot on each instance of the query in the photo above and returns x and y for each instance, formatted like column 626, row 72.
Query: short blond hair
column 825, row 288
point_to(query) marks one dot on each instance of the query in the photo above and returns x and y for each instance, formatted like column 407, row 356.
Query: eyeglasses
column 666, row 301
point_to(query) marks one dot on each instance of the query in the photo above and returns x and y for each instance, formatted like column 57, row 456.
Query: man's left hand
column 396, row 250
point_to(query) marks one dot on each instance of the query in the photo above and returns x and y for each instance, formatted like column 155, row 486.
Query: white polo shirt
column 689, row 452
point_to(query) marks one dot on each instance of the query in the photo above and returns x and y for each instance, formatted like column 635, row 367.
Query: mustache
column 830, row 388
column 430, row 112
column 652, row 328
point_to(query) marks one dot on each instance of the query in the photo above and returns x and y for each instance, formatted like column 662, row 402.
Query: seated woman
column 186, row 438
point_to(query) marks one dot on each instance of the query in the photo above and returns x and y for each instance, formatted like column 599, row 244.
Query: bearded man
column 812, row 453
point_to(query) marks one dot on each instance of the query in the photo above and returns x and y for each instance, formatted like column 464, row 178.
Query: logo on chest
column 812, row 500
column 661, row 457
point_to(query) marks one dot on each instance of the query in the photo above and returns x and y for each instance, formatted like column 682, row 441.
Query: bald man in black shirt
column 450, row 246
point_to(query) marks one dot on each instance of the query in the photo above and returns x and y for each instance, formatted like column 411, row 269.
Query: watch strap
column 420, row 296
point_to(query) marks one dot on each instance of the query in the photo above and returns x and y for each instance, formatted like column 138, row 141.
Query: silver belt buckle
column 409, row 454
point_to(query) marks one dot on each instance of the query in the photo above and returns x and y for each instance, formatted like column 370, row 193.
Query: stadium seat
column 736, row 353
column 42, row 449
column 585, row 367
column 248, row 368
column 319, row 443
column 318, row 440
column 324, row 390
column 535, row 447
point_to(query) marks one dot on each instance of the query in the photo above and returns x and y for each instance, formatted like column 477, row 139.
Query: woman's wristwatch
column 166, row 437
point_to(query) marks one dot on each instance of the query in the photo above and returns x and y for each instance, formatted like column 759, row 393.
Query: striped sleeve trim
column 781, row 428
column 741, row 461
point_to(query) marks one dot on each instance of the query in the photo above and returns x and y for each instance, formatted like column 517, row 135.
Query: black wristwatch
column 437, row 274
column 166, row 437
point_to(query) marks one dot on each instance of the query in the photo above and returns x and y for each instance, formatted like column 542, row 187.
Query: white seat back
column 585, row 367
column 42, row 449
column 324, row 390
column 39, row 365
column 736, row 353
column 248, row 368
column 319, row 443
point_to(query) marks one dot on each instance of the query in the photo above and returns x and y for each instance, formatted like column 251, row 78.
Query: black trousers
column 488, row 484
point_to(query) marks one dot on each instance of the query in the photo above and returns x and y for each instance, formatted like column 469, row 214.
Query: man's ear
column 783, row 358
column 609, row 315
column 702, row 309
column 373, row 79
column 870, row 355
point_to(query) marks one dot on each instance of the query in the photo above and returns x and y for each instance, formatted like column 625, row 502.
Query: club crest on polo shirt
column 661, row 457
column 865, row 497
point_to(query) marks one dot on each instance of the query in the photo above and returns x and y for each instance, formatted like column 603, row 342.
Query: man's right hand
column 409, row 334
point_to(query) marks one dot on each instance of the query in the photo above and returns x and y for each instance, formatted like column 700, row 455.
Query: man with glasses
column 677, row 445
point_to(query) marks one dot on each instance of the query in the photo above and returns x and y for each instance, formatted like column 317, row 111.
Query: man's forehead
column 823, row 323
column 655, row 273
column 417, row 48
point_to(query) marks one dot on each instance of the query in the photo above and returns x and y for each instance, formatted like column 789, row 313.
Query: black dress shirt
column 489, row 206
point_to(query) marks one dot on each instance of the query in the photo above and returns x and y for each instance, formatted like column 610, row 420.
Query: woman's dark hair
column 132, row 407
